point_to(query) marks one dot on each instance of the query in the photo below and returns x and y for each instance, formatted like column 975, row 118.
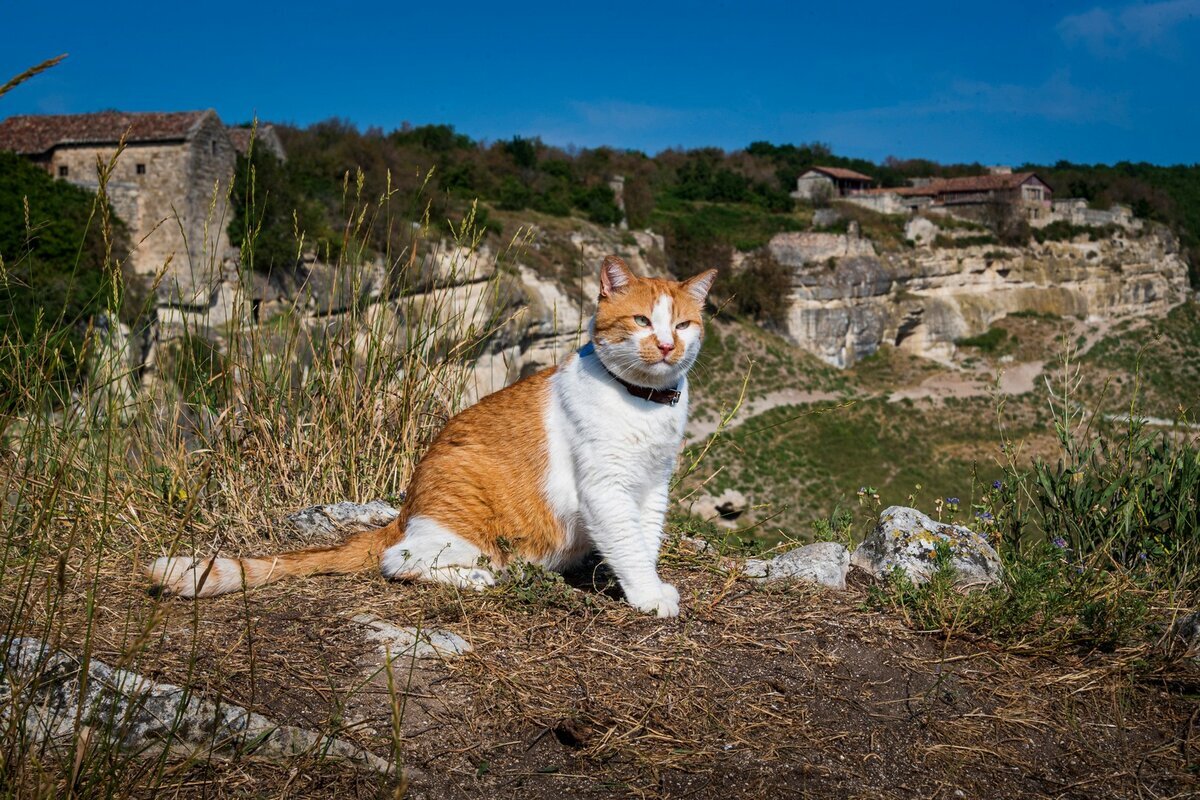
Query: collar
column 665, row 397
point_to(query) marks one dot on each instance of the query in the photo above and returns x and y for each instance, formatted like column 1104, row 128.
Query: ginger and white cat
column 576, row 457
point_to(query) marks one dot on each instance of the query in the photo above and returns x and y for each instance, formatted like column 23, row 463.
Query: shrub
column 988, row 342
column 949, row 242
column 56, row 274
column 267, row 211
column 761, row 289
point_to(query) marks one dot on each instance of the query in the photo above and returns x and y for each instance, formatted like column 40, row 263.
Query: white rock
column 46, row 690
column 920, row 231
column 908, row 539
column 397, row 641
column 825, row 563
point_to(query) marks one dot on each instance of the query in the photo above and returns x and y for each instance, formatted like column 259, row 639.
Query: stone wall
column 173, row 196
column 210, row 166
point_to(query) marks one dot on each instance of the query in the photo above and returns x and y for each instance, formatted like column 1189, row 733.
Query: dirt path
column 700, row 429
column 754, row 692
column 1015, row 379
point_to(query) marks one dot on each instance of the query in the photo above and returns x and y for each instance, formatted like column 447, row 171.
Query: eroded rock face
column 907, row 539
column 825, row 563
column 847, row 301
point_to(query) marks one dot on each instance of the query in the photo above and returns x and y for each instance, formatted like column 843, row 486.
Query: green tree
column 54, row 276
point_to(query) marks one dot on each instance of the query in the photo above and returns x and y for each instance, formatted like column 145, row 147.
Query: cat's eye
column 643, row 321
column 683, row 325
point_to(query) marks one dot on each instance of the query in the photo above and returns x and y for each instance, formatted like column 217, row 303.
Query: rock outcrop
column 847, row 300
column 908, row 540
column 46, row 694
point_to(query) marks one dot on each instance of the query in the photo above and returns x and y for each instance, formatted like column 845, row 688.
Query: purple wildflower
column 1060, row 543
column 997, row 485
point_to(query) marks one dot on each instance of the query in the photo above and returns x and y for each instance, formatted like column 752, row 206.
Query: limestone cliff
column 847, row 299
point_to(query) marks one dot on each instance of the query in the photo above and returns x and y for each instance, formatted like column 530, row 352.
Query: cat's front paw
column 661, row 600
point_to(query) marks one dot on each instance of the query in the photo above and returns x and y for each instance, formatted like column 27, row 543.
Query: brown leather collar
column 666, row 397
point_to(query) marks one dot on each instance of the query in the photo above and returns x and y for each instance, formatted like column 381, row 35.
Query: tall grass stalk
column 328, row 396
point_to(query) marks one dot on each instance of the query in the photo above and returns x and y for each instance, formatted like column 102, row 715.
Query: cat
column 575, row 457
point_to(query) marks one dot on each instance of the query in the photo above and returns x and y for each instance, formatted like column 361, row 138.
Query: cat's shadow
column 592, row 574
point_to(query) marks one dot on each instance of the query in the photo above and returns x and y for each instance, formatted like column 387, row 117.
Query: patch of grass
column 1063, row 231
column 1029, row 313
column 1158, row 364
column 951, row 242
column 990, row 341
column 694, row 229
column 801, row 463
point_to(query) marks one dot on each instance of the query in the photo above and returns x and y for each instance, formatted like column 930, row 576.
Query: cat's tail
column 206, row 577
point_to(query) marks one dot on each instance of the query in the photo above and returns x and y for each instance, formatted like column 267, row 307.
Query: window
column 63, row 171
column 141, row 169
column 214, row 146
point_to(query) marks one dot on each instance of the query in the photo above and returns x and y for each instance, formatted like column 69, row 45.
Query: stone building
column 264, row 136
column 822, row 183
column 169, row 184
column 1023, row 192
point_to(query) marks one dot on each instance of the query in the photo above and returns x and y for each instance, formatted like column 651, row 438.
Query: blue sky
column 1002, row 82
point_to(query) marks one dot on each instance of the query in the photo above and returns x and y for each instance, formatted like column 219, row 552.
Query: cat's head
column 648, row 331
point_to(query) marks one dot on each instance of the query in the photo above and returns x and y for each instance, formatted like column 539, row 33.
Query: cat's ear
column 698, row 285
column 615, row 276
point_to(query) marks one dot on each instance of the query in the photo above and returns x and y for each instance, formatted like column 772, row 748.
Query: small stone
column 397, row 641
column 1187, row 630
column 907, row 539
column 825, row 563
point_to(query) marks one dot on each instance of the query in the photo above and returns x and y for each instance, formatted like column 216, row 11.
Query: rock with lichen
column 908, row 540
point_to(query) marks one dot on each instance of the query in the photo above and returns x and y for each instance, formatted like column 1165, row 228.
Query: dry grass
column 755, row 691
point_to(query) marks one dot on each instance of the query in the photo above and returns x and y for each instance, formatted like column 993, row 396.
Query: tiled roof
column 969, row 183
column 36, row 134
column 979, row 183
column 264, row 136
column 843, row 174
column 240, row 138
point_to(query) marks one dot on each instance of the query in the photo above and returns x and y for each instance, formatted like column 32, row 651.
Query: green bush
column 267, row 201
column 761, row 289
column 949, row 242
column 54, row 275
column 988, row 342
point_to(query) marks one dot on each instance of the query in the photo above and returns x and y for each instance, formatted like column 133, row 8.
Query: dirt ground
column 754, row 692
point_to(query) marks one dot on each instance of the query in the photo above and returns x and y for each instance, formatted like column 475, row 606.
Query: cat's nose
column 666, row 347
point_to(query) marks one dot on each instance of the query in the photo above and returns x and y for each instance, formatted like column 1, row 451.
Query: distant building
column 264, row 136
column 1025, row 192
column 169, row 184
column 818, row 183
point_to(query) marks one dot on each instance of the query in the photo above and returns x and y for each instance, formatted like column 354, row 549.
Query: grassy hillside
column 705, row 201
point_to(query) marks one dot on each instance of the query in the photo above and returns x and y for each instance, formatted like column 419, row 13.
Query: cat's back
column 511, row 412
column 483, row 475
